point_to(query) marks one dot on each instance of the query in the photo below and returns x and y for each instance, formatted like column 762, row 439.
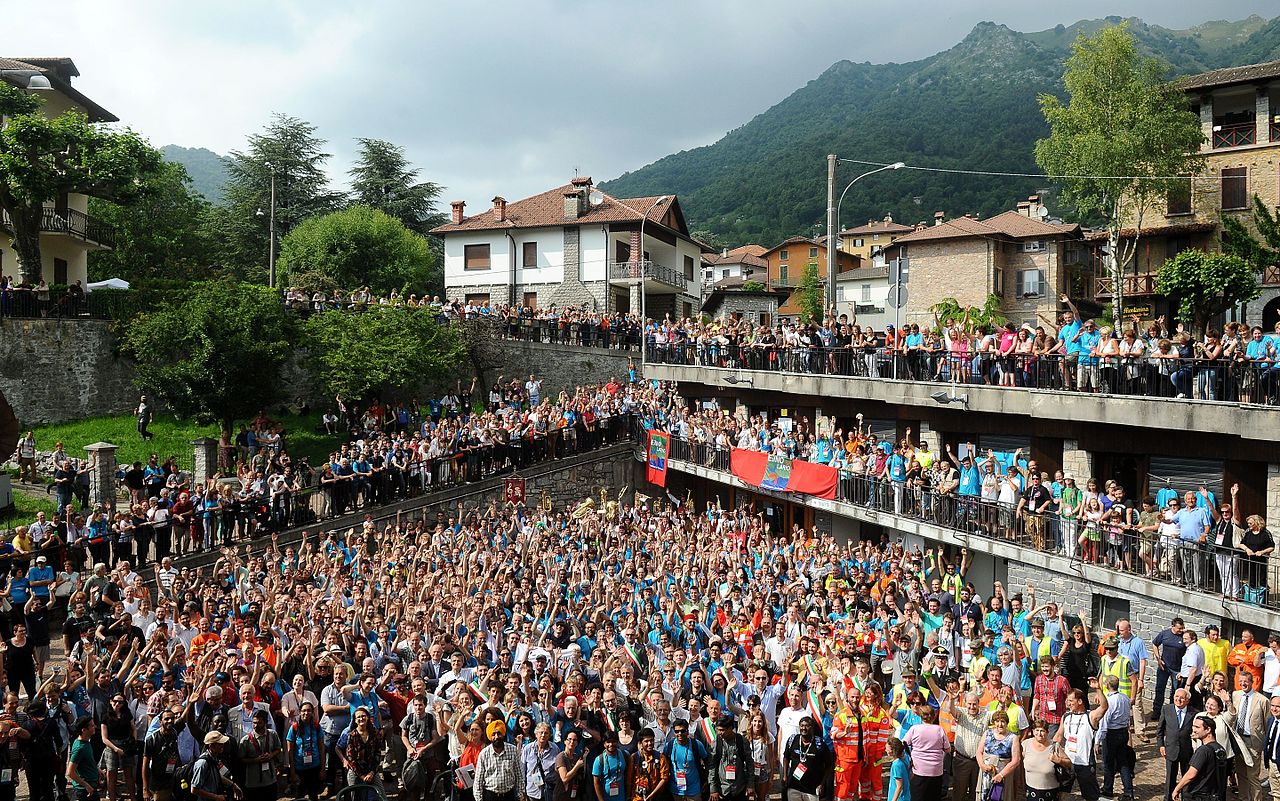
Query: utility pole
column 829, row 284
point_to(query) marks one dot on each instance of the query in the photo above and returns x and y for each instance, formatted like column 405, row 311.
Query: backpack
column 182, row 779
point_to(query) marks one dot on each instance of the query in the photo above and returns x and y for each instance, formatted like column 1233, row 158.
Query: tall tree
column 1238, row 240
column 1205, row 284
column 216, row 354
column 1115, row 145
column 290, row 151
column 42, row 158
column 159, row 235
column 382, row 351
column 383, row 179
column 360, row 246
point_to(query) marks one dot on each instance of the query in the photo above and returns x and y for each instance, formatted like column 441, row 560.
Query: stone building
column 575, row 245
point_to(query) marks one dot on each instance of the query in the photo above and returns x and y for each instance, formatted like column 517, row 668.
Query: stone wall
column 52, row 370
column 559, row 367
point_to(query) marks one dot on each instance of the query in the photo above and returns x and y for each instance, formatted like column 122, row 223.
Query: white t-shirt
column 1192, row 659
column 788, row 726
column 1270, row 672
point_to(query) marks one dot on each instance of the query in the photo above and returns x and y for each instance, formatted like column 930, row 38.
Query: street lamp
column 271, row 248
column 833, row 213
column 644, row 320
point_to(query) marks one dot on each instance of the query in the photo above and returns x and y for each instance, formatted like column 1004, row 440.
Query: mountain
column 207, row 169
column 972, row 107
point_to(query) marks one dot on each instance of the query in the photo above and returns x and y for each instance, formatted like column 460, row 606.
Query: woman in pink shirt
column 929, row 745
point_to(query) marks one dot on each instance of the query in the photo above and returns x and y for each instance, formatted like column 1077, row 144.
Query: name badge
column 730, row 772
column 308, row 756
column 1051, row 704
column 611, row 787
column 536, row 781
column 171, row 765
column 682, row 781
column 799, row 772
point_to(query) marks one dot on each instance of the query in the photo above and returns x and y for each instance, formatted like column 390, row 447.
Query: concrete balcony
column 658, row 278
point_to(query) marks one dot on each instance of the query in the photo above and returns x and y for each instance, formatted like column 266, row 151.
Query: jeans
column 1164, row 678
column 1116, row 757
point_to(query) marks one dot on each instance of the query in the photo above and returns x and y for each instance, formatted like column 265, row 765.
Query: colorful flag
column 659, row 447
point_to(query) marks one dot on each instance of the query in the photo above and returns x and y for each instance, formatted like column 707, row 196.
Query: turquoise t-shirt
column 900, row 776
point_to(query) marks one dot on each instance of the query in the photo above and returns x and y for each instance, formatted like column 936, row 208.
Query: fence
column 1234, row 381
column 1167, row 559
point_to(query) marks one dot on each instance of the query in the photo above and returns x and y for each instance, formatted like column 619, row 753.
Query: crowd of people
column 1234, row 363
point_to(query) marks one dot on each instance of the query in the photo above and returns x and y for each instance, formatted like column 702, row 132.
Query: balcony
column 657, row 277
column 1241, row 133
column 1131, row 285
column 74, row 224
column 1271, row 275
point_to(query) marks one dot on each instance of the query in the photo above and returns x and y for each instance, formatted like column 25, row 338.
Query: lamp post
column 644, row 320
column 271, row 231
column 833, row 214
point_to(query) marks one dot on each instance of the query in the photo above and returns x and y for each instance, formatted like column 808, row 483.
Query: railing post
column 204, row 460
column 102, row 479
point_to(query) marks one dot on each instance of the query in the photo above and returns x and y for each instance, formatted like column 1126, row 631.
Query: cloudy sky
column 500, row 97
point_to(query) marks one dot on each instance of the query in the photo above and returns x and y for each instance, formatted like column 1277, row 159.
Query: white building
column 746, row 262
column 575, row 245
column 67, row 232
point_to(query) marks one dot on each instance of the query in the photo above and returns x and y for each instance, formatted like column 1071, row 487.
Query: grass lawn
column 173, row 437
column 25, row 506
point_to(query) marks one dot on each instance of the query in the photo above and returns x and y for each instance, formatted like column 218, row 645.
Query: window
column 782, row 255
column 475, row 257
column 813, row 253
column 60, row 271
column 866, row 293
column 531, row 300
column 1033, row 246
column 1179, row 198
column 782, row 274
column 688, row 268
column 857, row 243
column 724, row 273
column 1235, row 188
column 530, row 255
column 477, row 298
column 1030, row 283
column 875, row 237
column 1107, row 610
column 840, row 293
column 997, row 281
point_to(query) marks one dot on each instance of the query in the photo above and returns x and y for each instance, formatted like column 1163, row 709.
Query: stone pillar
column 1077, row 462
column 1272, row 517
column 1262, row 114
column 204, row 460
column 637, row 248
column 928, row 435
column 1206, row 121
column 102, row 481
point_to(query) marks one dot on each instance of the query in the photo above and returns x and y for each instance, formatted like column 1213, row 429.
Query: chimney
column 458, row 206
column 888, row 218
column 939, row 217
column 1033, row 206
column 871, row 222
column 724, row 253
column 500, row 209
column 1024, row 208
column 572, row 204
column 920, row 226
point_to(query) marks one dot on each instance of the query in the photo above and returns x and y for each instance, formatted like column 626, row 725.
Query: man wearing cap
column 1117, row 664
column 687, row 756
column 207, row 780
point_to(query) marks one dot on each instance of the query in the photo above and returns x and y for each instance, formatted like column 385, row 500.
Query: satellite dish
column 1042, row 212
column 596, row 197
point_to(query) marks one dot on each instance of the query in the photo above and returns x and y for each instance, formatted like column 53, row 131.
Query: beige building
column 67, row 232
column 864, row 240
column 1018, row 256
column 1239, row 110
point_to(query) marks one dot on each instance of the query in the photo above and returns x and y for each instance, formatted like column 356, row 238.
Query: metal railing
column 71, row 304
column 1090, row 544
column 1243, row 133
column 70, row 222
column 1232, row 381
column 649, row 270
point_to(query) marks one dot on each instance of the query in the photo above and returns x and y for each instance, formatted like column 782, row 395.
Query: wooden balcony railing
column 1244, row 133
column 1131, row 285
column 1271, row 275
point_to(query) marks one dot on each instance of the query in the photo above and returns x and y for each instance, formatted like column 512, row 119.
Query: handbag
column 997, row 792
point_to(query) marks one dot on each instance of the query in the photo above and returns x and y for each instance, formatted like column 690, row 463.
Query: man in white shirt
column 1192, row 667
column 789, row 719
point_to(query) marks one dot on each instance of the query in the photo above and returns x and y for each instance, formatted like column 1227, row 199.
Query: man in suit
column 1173, row 732
column 1251, row 728
column 1271, row 749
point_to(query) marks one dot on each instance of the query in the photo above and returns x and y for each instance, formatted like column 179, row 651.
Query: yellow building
column 863, row 240
column 1239, row 110
column 67, row 232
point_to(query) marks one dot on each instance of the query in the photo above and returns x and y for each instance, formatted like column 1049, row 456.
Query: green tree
column 159, row 235
column 215, row 355
column 808, row 295
column 1123, row 133
column 360, row 246
column 383, row 179
column 1238, row 240
column 384, row 350
column 987, row 315
column 290, row 151
column 1204, row 284
column 42, row 158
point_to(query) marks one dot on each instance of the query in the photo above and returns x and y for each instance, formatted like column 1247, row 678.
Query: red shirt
column 1051, row 697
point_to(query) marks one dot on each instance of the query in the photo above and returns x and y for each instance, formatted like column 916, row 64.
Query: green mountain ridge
column 207, row 169
column 973, row 106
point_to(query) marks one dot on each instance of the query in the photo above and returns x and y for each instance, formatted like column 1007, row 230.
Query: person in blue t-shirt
column 687, row 756
column 1088, row 374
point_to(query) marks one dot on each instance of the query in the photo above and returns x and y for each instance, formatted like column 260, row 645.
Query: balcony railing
column 1275, row 132
column 649, row 270
column 1271, row 275
column 1133, row 285
column 76, row 224
column 1098, row 550
column 1243, row 133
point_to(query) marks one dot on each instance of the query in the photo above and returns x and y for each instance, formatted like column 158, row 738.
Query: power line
column 1034, row 174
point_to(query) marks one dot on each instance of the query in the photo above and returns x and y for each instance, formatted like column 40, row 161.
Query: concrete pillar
column 1206, row 121
column 928, row 435
column 1077, row 462
column 102, row 479
column 1272, row 517
column 1262, row 115
column 204, row 460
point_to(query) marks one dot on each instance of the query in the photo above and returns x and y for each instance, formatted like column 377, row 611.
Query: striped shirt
column 970, row 729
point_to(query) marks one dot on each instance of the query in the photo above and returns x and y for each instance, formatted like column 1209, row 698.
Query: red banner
column 513, row 490
column 659, row 449
column 771, row 471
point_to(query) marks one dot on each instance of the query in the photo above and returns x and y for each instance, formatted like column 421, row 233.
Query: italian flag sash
column 708, row 731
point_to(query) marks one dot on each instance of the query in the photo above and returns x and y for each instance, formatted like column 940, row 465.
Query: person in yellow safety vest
column 852, row 743
column 910, row 684
column 1116, row 664
column 978, row 663
column 1005, row 700
column 1038, row 646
